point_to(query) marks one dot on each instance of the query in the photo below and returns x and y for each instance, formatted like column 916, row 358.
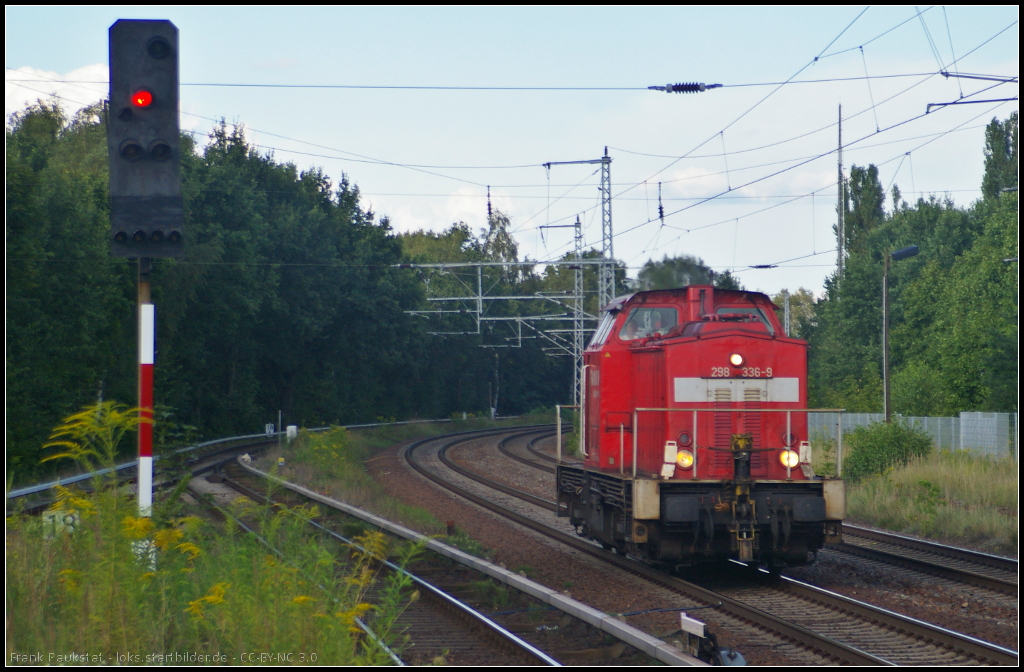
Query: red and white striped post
column 147, row 347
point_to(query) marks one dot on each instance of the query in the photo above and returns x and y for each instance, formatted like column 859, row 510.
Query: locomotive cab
column 695, row 434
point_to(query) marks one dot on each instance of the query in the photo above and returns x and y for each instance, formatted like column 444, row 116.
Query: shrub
column 880, row 446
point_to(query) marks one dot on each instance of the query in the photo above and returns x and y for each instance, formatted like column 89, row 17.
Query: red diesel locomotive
column 695, row 435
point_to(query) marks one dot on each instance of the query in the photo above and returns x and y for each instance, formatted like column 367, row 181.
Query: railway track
column 971, row 567
column 961, row 564
column 438, row 627
column 441, row 628
column 196, row 459
column 983, row 570
column 846, row 630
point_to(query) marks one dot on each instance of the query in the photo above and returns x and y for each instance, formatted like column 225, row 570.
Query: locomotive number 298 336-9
column 745, row 372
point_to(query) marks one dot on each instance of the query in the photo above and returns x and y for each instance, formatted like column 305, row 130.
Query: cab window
column 603, row 329
column 757, row 312
column 647, row 322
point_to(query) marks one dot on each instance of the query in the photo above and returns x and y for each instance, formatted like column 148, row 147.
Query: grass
column 116, row 583
column 334, row 463
column 490, row 593
column 958, row 497
column 95, row 583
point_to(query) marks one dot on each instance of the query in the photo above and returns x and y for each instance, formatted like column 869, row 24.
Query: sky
column 747, row 173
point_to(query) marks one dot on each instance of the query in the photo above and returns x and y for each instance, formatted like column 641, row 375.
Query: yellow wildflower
column 190, row 548
column 195, row 607
column 137, row 528
column 216, row 594
column 71, row 500
column 302, row 599
column 164, row 538
column 349, row 616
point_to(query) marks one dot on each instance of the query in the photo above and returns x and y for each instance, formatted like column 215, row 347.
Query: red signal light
column 142, row 98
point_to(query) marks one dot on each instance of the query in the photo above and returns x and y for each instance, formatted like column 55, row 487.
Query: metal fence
column 993, row 434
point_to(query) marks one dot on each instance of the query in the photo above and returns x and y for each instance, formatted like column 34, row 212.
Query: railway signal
column 146, row 210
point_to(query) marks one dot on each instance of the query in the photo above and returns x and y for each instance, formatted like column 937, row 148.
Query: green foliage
column 670, row 273
column 490, row 593
column 466, row 544
column 92, row 436
column 1001, row 169
column 866, row 198
column 290, row 298
column 921, row 390
column 953, row 308
column 802, row 317
column 880, row 446
column 70, row 334
column 958, row 497
column 113, row 583
column 823, row 457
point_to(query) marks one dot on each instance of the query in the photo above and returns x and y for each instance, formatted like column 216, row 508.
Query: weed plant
column 954, row 496
column 108, row 584
column 334, row 463
column 491, row 593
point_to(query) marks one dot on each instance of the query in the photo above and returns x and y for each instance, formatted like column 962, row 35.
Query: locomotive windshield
column 603, row 329
column 646, row 322
column 757, row 312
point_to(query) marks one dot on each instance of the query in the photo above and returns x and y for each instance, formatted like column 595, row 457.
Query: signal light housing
column 146, row 208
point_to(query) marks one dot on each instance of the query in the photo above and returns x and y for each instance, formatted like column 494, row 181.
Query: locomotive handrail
column 558, row 431
column 839, row 440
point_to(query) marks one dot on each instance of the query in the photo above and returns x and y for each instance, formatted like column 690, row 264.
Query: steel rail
column 826, row 645
column 647, row 644
column 986, row 651
column 958, row 641
column 42, row 487
column 532, row 447
column 362, row 626
column 465, row 611
column 999, row 562
column 532, row 499
column 959, row 575
column 503, row 447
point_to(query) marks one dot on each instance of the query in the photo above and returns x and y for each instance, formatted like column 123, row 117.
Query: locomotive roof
column 620, row 301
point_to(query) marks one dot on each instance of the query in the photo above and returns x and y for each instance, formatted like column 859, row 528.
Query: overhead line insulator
column 692, row 87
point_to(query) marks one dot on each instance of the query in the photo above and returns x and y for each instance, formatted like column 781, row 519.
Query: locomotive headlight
column 789, row 458
column 736, row 359
column 684, row 459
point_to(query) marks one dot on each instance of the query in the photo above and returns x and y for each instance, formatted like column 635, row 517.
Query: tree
column 727, row 280
column 953, row 308
column 1000, row 156
column 865, row 211
column 498, row 244
column 674, row 272
column 801, row 312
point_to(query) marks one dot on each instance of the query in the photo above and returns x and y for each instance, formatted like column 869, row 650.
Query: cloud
column 73, row 90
